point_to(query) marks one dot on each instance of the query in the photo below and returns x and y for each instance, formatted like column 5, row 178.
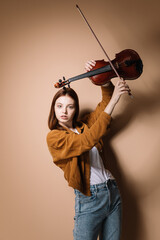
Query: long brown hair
column 52, row 120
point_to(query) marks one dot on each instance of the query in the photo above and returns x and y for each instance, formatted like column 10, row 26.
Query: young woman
column 77, row 148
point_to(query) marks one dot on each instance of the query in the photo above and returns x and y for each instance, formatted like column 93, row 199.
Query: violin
column 127, row 63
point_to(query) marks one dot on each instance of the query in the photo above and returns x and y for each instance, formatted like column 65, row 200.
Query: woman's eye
column 71, row 107
column 59, row 106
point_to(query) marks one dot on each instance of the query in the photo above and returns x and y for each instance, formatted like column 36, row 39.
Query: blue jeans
column 98, row 214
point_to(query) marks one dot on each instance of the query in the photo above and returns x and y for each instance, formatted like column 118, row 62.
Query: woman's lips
column 64, row 117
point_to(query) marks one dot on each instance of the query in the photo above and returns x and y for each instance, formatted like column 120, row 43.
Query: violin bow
column 98, row 41
column 112, row 66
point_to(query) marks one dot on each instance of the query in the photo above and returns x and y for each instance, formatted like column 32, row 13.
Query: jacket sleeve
column 107, row 92
column 66, row 144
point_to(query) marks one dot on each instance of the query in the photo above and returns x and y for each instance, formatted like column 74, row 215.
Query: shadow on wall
column 131, row 216
column 144, row 104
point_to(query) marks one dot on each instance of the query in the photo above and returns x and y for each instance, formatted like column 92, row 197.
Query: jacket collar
column 79, row 129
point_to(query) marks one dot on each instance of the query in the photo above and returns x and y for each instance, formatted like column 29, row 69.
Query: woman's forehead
column 65, row 99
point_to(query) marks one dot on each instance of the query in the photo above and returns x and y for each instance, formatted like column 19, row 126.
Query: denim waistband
column 105, row 184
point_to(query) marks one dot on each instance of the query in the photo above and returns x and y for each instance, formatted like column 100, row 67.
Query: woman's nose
column 64, row 110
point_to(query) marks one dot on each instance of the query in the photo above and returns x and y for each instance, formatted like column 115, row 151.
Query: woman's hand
column 120, row 88
column 89, row 65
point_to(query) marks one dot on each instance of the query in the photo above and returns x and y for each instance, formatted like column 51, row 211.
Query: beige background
column 42, row 41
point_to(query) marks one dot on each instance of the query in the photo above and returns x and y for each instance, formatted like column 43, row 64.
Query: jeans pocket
column 87, row 199
column 87, row 203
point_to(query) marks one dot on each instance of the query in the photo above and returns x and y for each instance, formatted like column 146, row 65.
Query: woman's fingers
column 89, row 65
column 122, row 86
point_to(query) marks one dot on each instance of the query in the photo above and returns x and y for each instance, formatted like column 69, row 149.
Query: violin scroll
column 62, row 83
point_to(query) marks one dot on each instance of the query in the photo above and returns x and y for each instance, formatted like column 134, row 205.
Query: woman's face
column 65, row 110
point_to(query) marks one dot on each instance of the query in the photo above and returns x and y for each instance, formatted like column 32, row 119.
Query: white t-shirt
column 98, row 174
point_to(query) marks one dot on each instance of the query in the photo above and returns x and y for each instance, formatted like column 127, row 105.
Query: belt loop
column 95, row 188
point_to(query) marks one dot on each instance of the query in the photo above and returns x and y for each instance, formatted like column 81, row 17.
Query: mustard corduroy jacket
column 70, row 151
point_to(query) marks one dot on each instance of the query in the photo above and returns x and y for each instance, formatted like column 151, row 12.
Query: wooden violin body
column 127, row 63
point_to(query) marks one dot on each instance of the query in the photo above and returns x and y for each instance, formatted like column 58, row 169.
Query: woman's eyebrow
column 58, row 103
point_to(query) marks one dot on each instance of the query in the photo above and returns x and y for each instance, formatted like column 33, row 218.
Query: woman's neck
column 70, row 126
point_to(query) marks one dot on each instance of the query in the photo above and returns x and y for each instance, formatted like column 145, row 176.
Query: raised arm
column 120, row 88
column 106, row 90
